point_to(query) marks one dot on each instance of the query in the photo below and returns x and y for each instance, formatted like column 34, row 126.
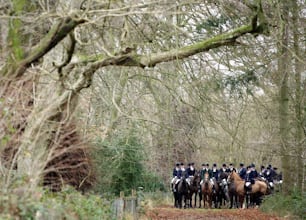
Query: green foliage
column 284, row 205
column 239, row 84
column 68, row 204
column 120, row 166
column 152, row 182
column 212, row 24
column 14, row 30
column 129, row 171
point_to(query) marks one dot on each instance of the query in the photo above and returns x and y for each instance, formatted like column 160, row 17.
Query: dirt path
column 170, row 213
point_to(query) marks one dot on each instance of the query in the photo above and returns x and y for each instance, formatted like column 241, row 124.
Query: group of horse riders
column 249, row 173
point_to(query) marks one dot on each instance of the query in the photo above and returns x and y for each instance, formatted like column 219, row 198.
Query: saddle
column 248, row 185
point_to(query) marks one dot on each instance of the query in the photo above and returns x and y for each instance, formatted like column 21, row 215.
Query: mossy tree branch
column 132, row 59
column 57, row 32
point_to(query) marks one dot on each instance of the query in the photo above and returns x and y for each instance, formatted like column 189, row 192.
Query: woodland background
column 109, row 95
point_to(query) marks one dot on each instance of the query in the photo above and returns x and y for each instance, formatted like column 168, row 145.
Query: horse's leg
column 224, row 199
column 204, row 198
column 210, row 201
column 219, row 198
column 241, row 200
column 175, row 200
column 217, row 201
column 179, row 200
column 257, row 199
column 231, row 200
column 247, row 199
column 205, row 201
column 214, row 199
column 236, row 201
column 190, row 199
column 185, row 201
column 252, row 200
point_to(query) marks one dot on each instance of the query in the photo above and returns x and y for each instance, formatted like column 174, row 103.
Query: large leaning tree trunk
column 284, row 102
column 45, row 122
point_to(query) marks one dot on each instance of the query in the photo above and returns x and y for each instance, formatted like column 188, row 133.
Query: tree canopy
column 198, row 80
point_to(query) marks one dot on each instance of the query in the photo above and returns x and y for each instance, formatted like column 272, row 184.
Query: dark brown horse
column 223, row 196
column 207, row 191
column 215, row 192
column 193, row 189
column 181, row 193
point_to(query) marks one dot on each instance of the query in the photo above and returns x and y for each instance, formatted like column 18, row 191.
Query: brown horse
column 207, row 190
column 193, row 188
column 258, row 189
column 236, row 189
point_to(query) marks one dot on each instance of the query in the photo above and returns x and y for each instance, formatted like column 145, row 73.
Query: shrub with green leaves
column 293, row 204
column 120, row 166
column 68, row 204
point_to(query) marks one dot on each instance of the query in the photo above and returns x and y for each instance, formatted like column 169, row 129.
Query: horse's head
column 197, row 179
column 206, row 177
column 233, row 177
column 223, row 175
column 223, row 183
column 182, row 185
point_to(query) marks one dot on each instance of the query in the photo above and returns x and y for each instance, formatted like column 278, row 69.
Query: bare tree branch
column 57, row 32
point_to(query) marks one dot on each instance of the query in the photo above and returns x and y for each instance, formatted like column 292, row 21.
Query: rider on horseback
column 242, row 171
column 205, row 169
column 175, row 176
column 231, row 168
column 214, row 175
column 215, row 172
column 224, row 169
column 250, row 176
column 182, row 171
column 269, row 175
column 190, row 172
column 262, row 171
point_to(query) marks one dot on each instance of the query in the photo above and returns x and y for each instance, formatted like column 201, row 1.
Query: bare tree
column 42, row 78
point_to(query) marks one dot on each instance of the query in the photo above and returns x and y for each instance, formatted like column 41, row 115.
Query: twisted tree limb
column 57, row 32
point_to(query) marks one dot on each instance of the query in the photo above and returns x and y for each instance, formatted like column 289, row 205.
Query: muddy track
column 170, row 213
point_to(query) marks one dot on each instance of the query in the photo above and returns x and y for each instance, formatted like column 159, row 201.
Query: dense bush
column 293, row 205
column 68, row 204
column 120, row 166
